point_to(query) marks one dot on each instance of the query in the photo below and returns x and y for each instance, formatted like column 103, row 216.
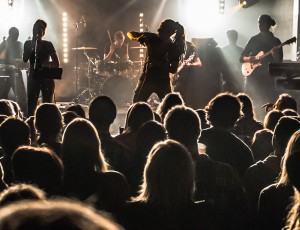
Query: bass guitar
column 249, row 67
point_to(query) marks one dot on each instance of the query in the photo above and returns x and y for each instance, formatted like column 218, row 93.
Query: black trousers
column 34, row 87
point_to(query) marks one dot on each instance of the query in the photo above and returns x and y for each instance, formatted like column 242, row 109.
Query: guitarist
column 39, row 52
column 259, row 84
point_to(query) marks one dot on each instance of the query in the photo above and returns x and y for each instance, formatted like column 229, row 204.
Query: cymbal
column 84, row 48
column 138, row 47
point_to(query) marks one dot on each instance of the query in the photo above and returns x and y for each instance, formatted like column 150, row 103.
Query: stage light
column 247, row 3
column 221, row 6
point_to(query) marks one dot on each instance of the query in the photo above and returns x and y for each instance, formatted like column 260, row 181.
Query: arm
column 28, row 49
column 107, row 56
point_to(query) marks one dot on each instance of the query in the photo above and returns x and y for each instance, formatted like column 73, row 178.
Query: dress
column 34, row 86
column 155, row 77
column 260, row 85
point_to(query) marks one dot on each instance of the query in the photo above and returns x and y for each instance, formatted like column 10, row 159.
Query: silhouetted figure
column 54, row 214
column 274, row 200
column 259, row 84
column 38, row 166
column 166, row 197
column 86, row 177
column 169, row 101
column 14, row 133
column 148, row 135
column 48, row 122
column 102, row 113
column 10, row 56
column 247, row 124
column 136, row 116
column 261, row 145
column 231, row 73
column 39, row 52
column 228, row 196
column 164, row 53
column 221, row 144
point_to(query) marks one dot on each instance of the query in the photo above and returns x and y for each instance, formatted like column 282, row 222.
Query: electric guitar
column 248, row 67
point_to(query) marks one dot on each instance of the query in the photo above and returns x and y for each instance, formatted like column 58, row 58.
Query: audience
column 86, row 175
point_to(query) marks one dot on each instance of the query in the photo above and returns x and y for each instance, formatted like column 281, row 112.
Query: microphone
column 84, row 21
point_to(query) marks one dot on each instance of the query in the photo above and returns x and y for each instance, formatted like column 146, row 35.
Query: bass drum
column 119, row 89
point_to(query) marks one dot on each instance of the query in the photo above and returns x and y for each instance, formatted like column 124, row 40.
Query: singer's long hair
column 179, row 46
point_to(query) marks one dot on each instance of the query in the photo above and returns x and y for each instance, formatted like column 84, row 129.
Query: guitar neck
column 270, row 51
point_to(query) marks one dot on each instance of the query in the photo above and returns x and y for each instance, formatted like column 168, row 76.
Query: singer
column 39, row 52
column 165, row 50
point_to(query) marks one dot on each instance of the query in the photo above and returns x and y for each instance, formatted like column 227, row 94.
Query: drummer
column 11, row 51
column 116, row 51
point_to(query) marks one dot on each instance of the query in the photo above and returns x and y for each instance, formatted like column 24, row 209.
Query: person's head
column 223, row 110
column 285, row 101
column 6, row 108
column 69, row 116
column 183, row 125
column 169, row 101
column 247, row 105
column 168, row 175
column 150, row 133
column 119, row 38
column 137, row 115
column 265, row 22
column 81, row 150
column 78, row 109
column 102, row 111
column 54, row 214
column 167, row 28
column 292, row 147
column 262, row 144
column 48, row 119
column 19, row 192
column 232, row 36
column 39, row 166
column 39, row 29
column 14, row 133
column 283, row 131
column 13, row 34
column 271, row 119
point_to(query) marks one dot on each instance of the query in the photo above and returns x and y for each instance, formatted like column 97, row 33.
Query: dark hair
column 169, row 101
column 271, row 119
column 223, row 110
column 39, row 166
column 102, row 111
column 264, row 18
column 78, row 109
column 137, row 115
column 48, row 119
column 179, row 47
column 14, row 133
column 183, row 125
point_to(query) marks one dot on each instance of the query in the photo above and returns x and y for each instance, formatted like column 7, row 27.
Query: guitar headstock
column 290, row 41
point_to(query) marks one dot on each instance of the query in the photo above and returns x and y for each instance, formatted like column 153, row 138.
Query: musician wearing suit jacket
column 39, row 52
column 259, row 84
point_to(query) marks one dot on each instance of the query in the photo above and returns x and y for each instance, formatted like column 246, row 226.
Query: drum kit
column 116, row 80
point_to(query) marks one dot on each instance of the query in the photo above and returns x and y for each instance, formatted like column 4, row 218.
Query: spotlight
column 247, row 3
